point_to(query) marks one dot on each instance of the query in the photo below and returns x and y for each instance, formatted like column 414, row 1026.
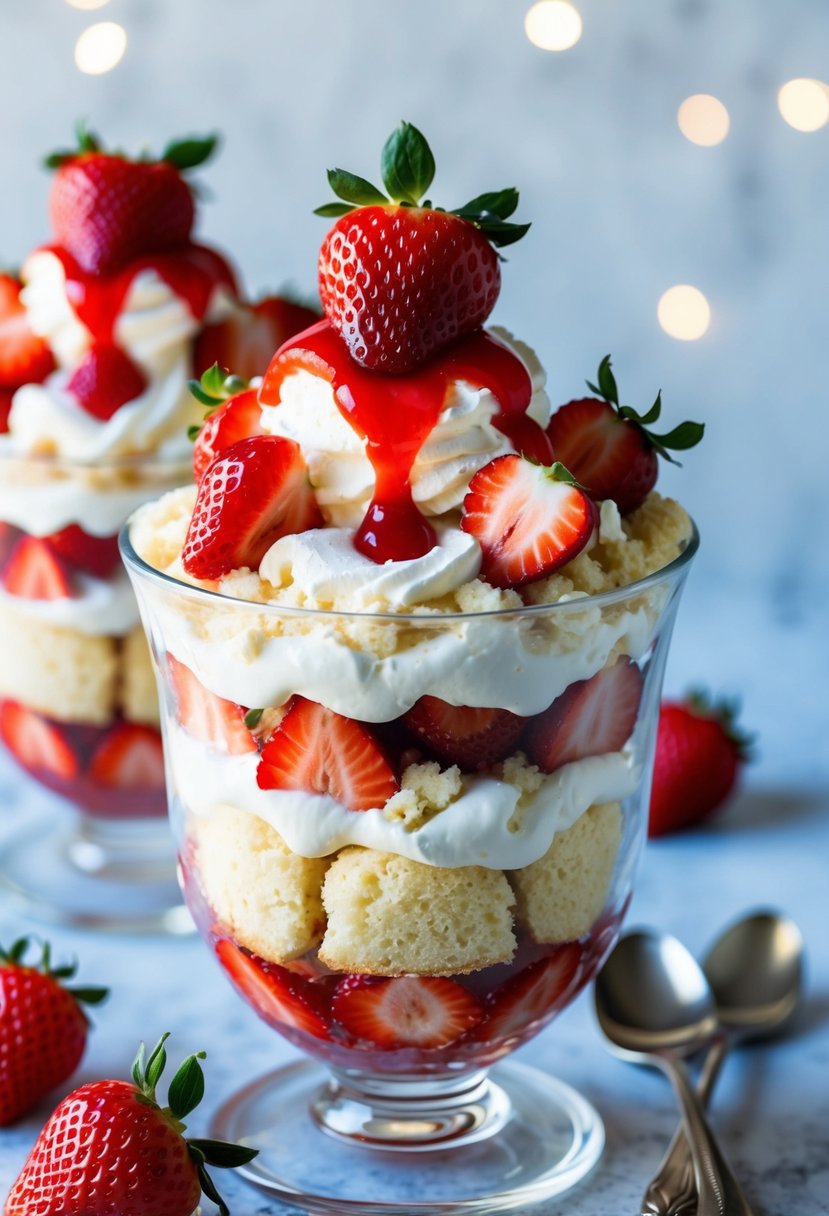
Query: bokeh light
column 553, row 25
column 703, row 120
column 684, row 312
column 804, row 104
column 87, row 4
column 100, row 48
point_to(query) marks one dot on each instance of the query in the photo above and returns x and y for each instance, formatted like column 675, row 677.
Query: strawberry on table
column 24, row 357
column 254, row 492
column 320, row 751
column 464, row 735
column 247, row 338
column 276, row 993
column 37, row 744
column 591, row 718
column 111, row 1148
column 34, row 571
column 205, row 716
column 399, row 279
column 530, row 995
column 43, row 1028
column 232, row 412
column 528, row 519
column 700, row 752
column 608, row 447
column 410, row 1011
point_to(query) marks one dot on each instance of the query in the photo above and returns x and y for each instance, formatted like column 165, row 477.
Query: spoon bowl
column 755, row 971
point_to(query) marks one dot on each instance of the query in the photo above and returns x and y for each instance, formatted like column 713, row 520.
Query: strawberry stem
column 15, row 957
column 681, row 438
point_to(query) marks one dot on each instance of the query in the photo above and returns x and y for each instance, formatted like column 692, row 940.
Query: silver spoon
column 655, row 1006
column 755, row 970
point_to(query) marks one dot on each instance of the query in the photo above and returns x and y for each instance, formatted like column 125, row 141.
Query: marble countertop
column 770, row 848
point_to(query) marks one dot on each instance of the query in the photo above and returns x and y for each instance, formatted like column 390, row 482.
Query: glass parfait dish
column 410, row 941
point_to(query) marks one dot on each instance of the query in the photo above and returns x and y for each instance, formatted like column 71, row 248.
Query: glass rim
column 603, row 599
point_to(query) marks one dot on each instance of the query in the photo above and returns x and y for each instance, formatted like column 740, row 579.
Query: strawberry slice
column 460, row 734
column 315, row 749
column 254, row 492
column 129, row 757
column 24, row 357
column 38, row 744
column 528, row 519
column 207, row 717
column 246, row 340
column 35, row 572
column 239, row 418
column 97, row 555
column 277, row 995
column 591, row 718
column 106, row 379
column 532, row 994
column 406, row 1012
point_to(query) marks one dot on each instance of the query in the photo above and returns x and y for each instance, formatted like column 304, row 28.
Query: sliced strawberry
column 239, row 418
column 460, row 734
column 277, row 995
column 532, row 994
column 254, row 492
column 35, row 572
column 106, row 379
column 246, row 340
column 591, row 718
column 406, row 1012
column 96, row 555
column 528, row 519
column 207, row 717
column 130, row 757
column 24, row 357
column 323, row 752
column 38, row 744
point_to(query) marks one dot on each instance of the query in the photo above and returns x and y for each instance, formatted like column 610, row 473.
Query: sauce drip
column 396, row 414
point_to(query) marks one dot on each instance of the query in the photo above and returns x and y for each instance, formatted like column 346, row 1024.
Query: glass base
column 97, row 874
column 340, row 1142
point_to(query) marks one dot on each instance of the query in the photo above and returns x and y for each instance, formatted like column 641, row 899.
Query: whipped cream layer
column 463, row 441
column 489, row 824
column 100, row 607
column 155, row 327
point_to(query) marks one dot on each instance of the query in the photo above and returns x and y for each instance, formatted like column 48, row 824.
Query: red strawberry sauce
column 396, row 414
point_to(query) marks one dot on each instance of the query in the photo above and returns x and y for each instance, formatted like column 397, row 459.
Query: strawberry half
column 96, row 555
column 253, row 492
column 24, row 357
column 608, row 448
column 205, row 716
column 591, row 718
column 35, row 572
column 398, row 280
column 107, row 210
column 277, row 994
column 36, row 743
column 246, row 340
column 532, row 994
column 460, row 734
column 528, row 519
column 104, row 380
column 406, row 1012
column 232, row 413
column 129, row 757
column 320, row 751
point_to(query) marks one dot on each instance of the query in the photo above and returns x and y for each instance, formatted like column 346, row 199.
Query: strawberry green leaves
column 215, row 387
column 189, row 153
column 684, row 436
column 182, row 154
column 407, row 167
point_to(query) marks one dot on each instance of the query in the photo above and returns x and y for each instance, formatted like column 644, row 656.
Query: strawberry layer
column 96, row 607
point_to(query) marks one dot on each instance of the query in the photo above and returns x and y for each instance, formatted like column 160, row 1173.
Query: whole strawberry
column 43, row 1028
column 608, row 447
column 400, row 279
column 247, row 338
column 232, row 412
column 699, row 754
column 107, row 210
column 111, row 1148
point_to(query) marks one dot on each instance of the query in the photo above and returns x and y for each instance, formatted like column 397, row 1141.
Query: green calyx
column 408, row 168
column 216, row 386
column 15, row 957
column 182, row 154
column 184, row 1093
column 686, row 435
column 726, row 711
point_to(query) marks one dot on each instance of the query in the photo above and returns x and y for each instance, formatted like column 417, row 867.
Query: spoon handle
column 719, row 1193
column 672, row 1191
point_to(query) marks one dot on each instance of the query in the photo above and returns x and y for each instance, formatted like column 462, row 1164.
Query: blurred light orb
column 804, row 104
column 87, row 4
column 703, row 120
column 553, row 25
column 684, row 312
column 100, row 48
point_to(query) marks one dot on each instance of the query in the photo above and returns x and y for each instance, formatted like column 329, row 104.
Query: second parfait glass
column 408, row 943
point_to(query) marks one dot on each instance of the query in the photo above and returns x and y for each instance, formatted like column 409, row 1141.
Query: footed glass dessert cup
column 78, row 704
column 410, row 841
